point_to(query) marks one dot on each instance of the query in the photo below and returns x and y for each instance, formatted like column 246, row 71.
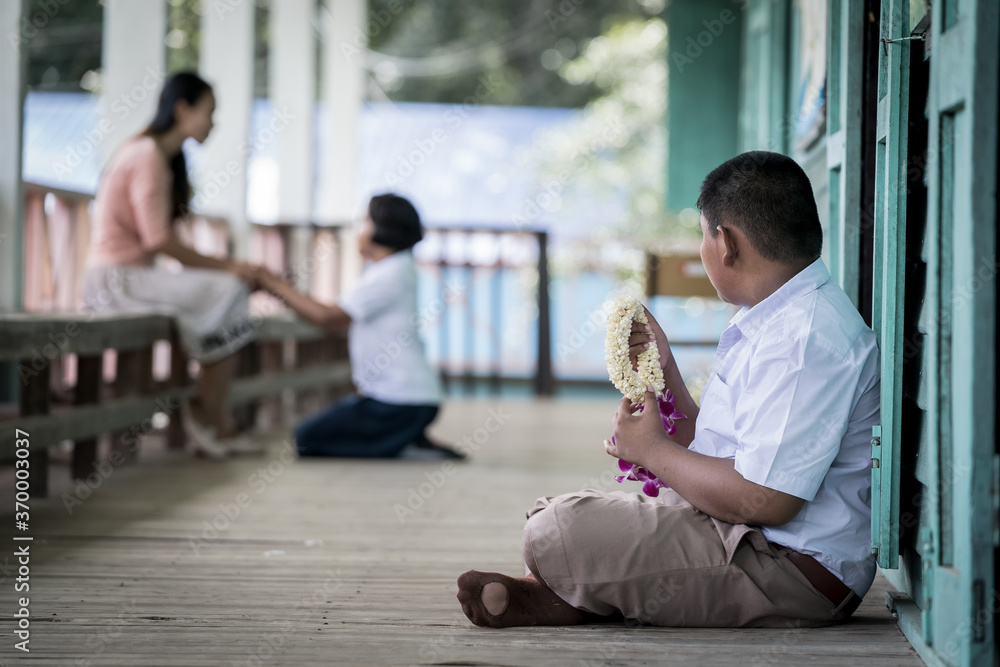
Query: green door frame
column 845, row 51
column 954, row 623
column 889, row 265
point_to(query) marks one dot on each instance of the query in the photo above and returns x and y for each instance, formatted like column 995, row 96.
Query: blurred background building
column 488, row 118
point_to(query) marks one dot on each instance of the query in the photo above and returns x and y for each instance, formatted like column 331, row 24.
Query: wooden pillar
column 11, row 194
column 272, row 361
column 134, row 376
column 36, row 284
column 178, row 379
column 496, row 316
column 444, row 330
column 306, row 355
column 88, row 391
column 245, row 414
column 35, row 401
column 325, row 285
column 469, row 308
column 339, row 352
column 543, row 376
column 227, row 57
column 133, row 63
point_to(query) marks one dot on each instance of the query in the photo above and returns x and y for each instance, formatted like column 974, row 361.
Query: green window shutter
column 889, row 263
column 845, row 34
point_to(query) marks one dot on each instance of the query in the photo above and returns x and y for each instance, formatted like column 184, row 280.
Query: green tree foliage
column 429, row 50
column 183, row 34
column 183, row 38
column 440, row 50
column 63, row 41
column 618, row 142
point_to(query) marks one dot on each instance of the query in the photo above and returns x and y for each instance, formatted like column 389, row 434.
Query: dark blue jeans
column 361, row 427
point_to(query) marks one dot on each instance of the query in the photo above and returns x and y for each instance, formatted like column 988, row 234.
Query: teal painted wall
column 703, row 77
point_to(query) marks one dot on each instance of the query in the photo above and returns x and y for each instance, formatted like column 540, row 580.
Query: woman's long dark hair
column 189, row 87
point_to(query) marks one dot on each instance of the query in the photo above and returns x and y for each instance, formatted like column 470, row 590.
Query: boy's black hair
column 769, row 198
column 397, row 223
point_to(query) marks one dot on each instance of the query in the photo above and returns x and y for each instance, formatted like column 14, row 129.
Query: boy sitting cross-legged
column 766, row 522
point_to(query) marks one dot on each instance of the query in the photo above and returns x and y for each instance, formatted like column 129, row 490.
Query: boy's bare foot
column 495, row 600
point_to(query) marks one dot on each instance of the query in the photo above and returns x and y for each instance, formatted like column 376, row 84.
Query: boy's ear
column 730, row 245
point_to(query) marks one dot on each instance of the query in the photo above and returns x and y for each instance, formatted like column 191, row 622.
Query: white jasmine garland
column 631, row 383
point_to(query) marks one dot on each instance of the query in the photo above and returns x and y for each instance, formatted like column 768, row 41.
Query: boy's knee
column 527, row 552
column 541, row 534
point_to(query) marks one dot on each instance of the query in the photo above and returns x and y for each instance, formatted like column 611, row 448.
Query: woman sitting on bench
column 144, row 190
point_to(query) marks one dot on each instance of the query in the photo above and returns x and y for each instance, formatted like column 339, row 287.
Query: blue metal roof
column 460, row 164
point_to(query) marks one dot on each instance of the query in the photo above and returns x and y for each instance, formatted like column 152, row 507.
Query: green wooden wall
column 764, row 119
column 703, row 77
column 935, row 488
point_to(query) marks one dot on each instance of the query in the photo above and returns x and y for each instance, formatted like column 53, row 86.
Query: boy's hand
column 642, row 334
column 635, row 434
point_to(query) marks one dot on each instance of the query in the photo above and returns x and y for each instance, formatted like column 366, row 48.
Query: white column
column 12, row 85
column 11, row 195
column 293, row 93
column 133, row 64
column 341, row 24
column 227, row 41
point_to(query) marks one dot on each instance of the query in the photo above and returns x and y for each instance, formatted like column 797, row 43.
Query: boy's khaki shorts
column 662, row 562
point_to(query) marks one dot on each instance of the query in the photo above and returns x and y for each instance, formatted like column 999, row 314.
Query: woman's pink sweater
column 133, row 206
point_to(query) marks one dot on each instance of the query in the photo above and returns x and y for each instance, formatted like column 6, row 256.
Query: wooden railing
column 461, row 255
column 56, row 236
column 80, row 375
column 57, row 230
column 57, row 225
column 301, row 252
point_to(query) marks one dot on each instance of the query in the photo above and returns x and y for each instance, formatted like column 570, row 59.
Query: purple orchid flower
column 668, row 413
column 651, row 484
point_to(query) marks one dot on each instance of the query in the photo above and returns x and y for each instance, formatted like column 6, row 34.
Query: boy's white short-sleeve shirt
column 387, row 355
column 793, row 396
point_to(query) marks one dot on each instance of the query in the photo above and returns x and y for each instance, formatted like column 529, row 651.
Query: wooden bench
column 287, row 354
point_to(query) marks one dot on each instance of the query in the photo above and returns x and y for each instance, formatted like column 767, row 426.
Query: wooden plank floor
column 319, row 567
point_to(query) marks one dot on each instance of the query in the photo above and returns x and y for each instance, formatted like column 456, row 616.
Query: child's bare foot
column 497, row 601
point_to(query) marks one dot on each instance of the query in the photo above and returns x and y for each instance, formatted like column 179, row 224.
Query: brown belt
column 824, row 581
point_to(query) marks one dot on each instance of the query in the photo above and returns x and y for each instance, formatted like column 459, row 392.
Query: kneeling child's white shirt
column 387, row 355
